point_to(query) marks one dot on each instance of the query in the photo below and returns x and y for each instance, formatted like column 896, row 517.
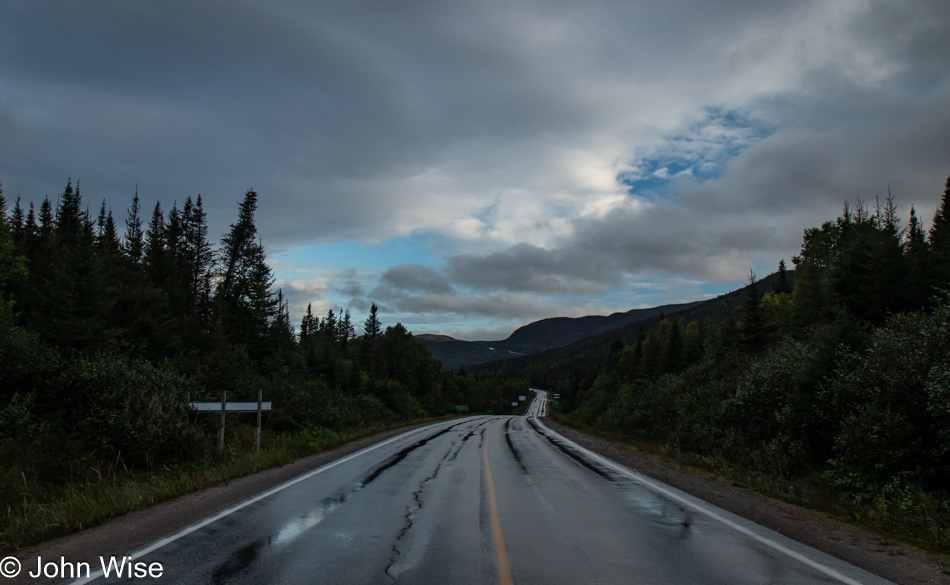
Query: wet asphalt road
column 482, row 500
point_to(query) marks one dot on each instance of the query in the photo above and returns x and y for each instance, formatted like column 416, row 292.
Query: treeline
column 104, row 330
column 842, row 378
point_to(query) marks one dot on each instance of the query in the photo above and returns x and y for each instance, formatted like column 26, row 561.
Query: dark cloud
column 413, row 277
column 502, row 127
column 456, row 306
column 754, row 213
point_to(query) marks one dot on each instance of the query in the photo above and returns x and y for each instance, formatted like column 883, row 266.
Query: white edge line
column 227, row 511
column 659, row 488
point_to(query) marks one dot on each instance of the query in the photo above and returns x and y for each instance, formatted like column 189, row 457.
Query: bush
column 128, row 406
column 895, row 395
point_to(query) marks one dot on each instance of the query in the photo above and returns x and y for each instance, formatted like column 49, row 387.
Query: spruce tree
column 107, row 237
column 11, row 263
column 917, row 255
column 940, row 242
column 30, row 232
column 45, row 230
column 133, row 245
column 155, row 258
column 246, row 306
column 199, row 257
column 329, row 327
column 372, row 328
column 346, row 330
column 71, row 302
column 308, row 326
column 18, row 228
column 782, row 285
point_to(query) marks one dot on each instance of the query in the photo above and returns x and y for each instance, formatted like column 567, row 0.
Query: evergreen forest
column 829, row 389
column 107, row 326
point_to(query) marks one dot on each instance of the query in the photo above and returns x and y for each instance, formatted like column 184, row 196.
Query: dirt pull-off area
column 896, row 563
column 132, row 531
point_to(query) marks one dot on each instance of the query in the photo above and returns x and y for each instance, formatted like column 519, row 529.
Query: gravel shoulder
column 132, row 531
column 897, row 563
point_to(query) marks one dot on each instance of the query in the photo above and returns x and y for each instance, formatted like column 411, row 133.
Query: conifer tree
column 281, row 330
column 155, row 246
column 308, row 326
column 198, row 254
column 917, row 254
column 18, row 225
column 329, row 327
column 372, row 328
column 70, row 221
column 940, row 242
column 174, row 255
column 346, row 329
column 236, row 241
column 46, row 220
column 71, row 305
column 11, row 264
column 782, row 285
column 133, row 245
column 30, row 232
column 245, row 303
column 107, row 237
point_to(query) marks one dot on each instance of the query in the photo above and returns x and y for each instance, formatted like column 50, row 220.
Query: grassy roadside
column 900, row 515
column 117, row 491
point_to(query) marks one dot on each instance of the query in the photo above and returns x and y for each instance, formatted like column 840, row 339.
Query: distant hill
column 429, row 337
column 537, row 337
column 543, row 369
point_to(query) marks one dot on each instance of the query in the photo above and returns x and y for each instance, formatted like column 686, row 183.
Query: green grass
column 115, row 491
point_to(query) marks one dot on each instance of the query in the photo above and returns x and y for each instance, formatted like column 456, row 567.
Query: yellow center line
column 504, row 574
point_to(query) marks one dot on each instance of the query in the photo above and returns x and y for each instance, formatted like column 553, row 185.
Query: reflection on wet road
column 477, row 500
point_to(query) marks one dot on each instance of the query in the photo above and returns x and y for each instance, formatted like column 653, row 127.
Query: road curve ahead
column 482, row 500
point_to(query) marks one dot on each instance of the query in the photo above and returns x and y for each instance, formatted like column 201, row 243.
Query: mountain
column 537, row 337
column 585, row 357
column 430, row 337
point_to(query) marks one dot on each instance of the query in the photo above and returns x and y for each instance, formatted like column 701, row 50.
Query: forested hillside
column 576, row 365
column 102, row 335
column 538, row 336
column 840, row 385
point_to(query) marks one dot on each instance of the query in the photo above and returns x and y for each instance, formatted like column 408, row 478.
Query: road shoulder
column 896, row 563
column 132, row 531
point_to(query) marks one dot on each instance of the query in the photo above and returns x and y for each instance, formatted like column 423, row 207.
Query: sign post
column 257, row 429
column 224, row 406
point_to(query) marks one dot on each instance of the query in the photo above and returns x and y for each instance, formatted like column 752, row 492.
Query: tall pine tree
column 245, row 304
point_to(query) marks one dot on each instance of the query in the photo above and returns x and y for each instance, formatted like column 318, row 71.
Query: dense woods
column 841, row 380
column 104, row 329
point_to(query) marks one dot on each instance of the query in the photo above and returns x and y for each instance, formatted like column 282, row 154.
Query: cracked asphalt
column 415, row 509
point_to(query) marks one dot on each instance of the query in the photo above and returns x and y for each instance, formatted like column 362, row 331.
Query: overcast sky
column 474, row 166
